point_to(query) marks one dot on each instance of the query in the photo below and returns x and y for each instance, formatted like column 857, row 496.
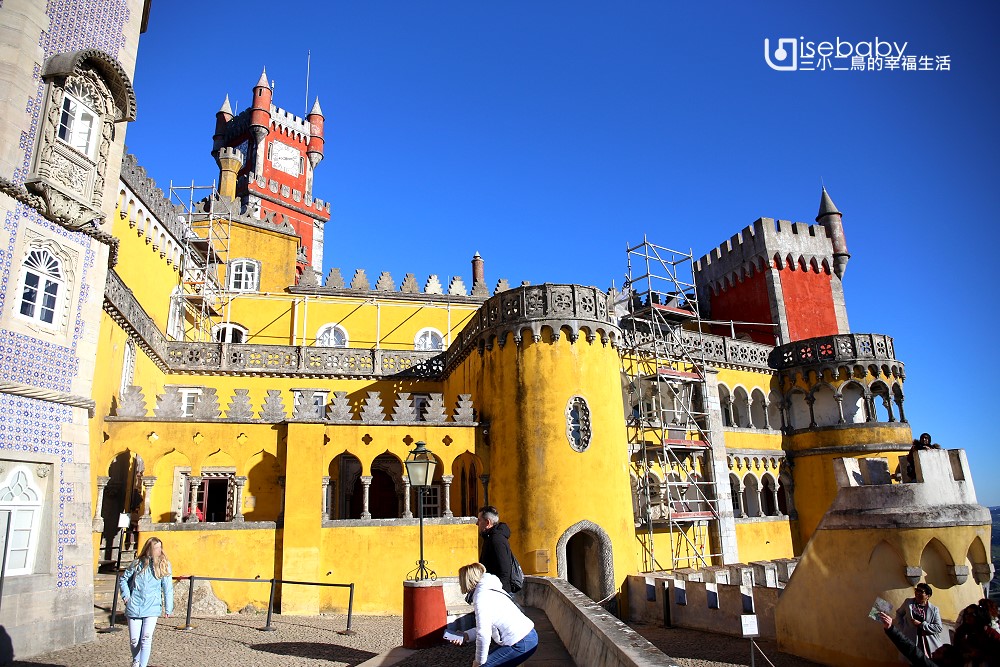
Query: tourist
column 498, row 620
column 919, row 620
column 496, row 555
column 975, row 640
column 944, row 656
column 992, row 616
column 144, row 586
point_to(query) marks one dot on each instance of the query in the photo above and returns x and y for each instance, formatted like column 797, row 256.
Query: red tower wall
column 808, row 299
column 746, row 301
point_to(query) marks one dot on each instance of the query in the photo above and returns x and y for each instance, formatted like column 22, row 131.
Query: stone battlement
column 940, row 495
column 767, row 242
column 288, row 120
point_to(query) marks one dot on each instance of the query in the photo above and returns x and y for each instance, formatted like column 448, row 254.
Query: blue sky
column 549, row 135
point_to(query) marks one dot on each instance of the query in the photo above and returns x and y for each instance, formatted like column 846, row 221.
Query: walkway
column 237, row 640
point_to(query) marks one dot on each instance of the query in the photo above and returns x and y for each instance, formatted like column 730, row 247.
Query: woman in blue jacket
column 144, row 586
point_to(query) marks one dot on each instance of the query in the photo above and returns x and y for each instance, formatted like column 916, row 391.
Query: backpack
column 516, row 574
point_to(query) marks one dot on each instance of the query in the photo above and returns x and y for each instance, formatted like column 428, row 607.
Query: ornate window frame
column 21, row 496
column 425, row 338
column 128, row 367
column 70, row 181
column 578, row 429
column 227, row 329
column 329, row 331
column 68, row 287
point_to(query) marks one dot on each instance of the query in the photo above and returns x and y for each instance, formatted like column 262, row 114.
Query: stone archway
column 591, row 555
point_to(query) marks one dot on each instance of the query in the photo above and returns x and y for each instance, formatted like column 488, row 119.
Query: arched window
column 751, row 495
column 726, row 403
column 23, row 500
column 175, row 318
column 428, row 339
column 229, row 333
column 42, row 286
column 734, row 489
column 128, row 367
column 578, row 423
column 768, row 497
column 741, row 408
column 244, row 275
column 332, row 335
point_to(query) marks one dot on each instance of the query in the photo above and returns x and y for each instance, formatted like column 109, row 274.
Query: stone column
column 281, row 507
column 730, row 412
column 102, row 484
column 485, row 479
column 194, row 481
column 888, row 408
column 366, row 483
column 811, row 402
column 446, row 480
column 407, row 512
column 326, row 497
column 147, row 492
column 767, row 425
column 240, row 483
column 902, row 415
column 840, row 407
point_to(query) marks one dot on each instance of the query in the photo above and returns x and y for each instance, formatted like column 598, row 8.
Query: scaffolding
column 670, row 444
column 203, row 296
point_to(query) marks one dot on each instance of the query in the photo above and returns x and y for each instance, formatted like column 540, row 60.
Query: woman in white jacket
column 498, row 620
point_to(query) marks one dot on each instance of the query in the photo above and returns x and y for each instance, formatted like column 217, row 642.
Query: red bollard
column 424, row 614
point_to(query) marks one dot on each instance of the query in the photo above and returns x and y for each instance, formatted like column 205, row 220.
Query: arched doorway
column 584, row 559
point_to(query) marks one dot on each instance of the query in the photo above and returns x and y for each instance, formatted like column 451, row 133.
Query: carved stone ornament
column 42, row 470
column 71, row 183
column 239, row 407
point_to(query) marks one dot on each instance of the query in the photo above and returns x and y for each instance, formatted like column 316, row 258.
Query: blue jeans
column 140, row 637
column 515, row 654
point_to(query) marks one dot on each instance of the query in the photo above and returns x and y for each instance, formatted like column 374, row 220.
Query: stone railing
column 834, row 350
column 723, row 350
column 302, row 360
column 532, row 308
column 335, row 407
column 120, row 303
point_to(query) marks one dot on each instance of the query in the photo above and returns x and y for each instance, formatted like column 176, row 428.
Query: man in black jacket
column 496, row 555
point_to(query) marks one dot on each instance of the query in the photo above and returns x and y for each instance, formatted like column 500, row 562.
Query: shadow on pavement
column 316, row 651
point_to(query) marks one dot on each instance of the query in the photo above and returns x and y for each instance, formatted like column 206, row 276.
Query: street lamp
column 420, row 464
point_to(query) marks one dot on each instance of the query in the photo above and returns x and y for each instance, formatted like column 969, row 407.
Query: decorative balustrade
column 835, row 350
column 169, row 406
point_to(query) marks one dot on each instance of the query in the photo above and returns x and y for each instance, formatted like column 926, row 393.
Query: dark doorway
column 583, row 564
column 382, row 500
column 216, row 499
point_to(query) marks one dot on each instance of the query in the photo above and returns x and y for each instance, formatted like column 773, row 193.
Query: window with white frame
column 420, row 403
column 189, row 396
column 318, row 401
column 244, row 275
column 128, row 367
column 428, row 339
column 332, row 335
column 23, row 500
column 230, row 333
column 42, row 286
column 78, row 126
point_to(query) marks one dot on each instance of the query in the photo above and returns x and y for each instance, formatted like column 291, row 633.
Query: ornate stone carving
column 410, row 285
column 206, row 405
column 435, row 412
column 132, row 404
column 371, row 411
column 404, row 410
column 334, row 279
column 274, row 408
column 169, row 404
column 305, row 405
column 464, row 412
column 457, row 287
column 385, row 283
column 240, row 409
column 433, row 285
column 502, row 286
column 360, row 280
column 339, row 409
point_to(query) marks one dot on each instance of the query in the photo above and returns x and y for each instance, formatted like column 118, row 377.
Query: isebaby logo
column 797, row 54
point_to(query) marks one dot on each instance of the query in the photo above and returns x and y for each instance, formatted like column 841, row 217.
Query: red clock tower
column 279, row 153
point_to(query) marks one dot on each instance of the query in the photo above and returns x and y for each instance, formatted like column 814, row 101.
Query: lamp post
column 420, row 464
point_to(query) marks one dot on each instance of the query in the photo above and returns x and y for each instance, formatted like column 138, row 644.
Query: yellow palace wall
column 540, row 484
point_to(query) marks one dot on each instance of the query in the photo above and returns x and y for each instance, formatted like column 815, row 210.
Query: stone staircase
column 104, row 590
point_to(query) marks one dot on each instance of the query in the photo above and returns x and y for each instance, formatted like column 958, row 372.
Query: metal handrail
column 268, row 627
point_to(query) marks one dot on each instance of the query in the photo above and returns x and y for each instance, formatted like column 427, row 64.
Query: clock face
column 285, row 158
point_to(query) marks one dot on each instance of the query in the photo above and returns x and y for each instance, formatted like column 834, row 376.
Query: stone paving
column 237, row 640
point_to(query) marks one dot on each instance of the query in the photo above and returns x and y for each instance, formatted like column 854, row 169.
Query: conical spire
column 226, row 107
column 263, row 80
column 316, row 110
column 826, row 206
